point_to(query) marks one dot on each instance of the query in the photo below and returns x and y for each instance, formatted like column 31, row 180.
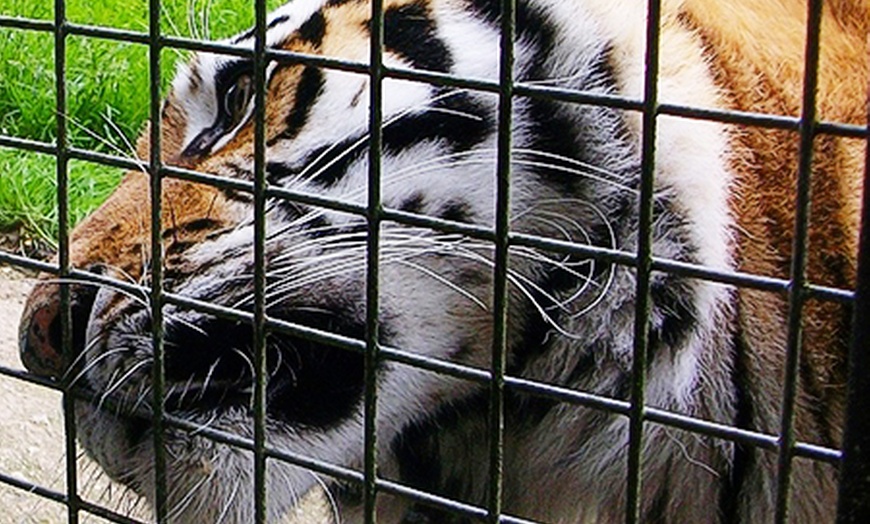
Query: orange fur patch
column 759, row 51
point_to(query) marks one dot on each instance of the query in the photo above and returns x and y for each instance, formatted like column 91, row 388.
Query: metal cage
column 853, row 460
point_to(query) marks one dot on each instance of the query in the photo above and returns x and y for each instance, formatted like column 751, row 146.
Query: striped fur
column 724, row 200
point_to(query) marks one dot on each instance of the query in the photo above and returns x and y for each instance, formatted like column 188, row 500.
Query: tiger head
column 575, row 182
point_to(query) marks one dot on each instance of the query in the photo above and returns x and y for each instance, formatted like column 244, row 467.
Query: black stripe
column 239, row 172
column 413, row 204
column 672, row 297
column 459, row 132
column 418, row 455
column 530, row 25
column 234, row 195
column 418, row 451
column 313, row 29
column 236, row 170
column 557, row 127
column 657, row 511
column 278, row 20
column 466, row 125
column 744, row 457
column 411, row 33
column 588, row 134
column 318, row 385
column 308, row 89
column 457, row 211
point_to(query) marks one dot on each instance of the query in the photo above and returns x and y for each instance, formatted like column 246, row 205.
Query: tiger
column 722, row 199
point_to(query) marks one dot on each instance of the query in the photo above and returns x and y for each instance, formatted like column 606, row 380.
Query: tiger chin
column 723, row 199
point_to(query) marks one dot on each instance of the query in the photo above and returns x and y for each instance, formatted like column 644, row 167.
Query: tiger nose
column 40, row 333
column 40, row 338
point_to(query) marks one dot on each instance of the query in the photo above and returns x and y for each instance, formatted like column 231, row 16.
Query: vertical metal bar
column 853, row 506
column 373, row 218
column 797, row 291
column 500, row 271
column 644, row 266
column 62, row 164
column 260, row 359
column 156, row 266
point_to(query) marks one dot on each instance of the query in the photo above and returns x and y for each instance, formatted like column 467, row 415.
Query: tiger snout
column 40, row 333
column 114, row 241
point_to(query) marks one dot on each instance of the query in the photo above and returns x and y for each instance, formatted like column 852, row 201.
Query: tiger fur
column 724, row 199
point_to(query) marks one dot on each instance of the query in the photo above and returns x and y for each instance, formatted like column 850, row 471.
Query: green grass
column 28, row 191
column 107, row 97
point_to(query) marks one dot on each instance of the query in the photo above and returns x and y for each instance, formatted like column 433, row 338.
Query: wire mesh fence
column 853, row 461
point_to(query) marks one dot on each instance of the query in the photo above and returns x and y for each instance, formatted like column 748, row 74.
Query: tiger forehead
column 347, row 19
column 341, row 29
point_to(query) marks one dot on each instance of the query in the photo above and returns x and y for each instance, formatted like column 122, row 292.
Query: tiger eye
column 238, row 98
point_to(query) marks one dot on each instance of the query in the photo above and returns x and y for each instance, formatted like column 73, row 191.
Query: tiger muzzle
column 43, row 352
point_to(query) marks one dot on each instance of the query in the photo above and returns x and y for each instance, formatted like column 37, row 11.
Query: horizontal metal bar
column 190, row 44
column 27, row 262
column 820, row 453
column 75, row 276
column 730, row 116
column 329, row 469
column 843, row 130
column 293, row 57
column 739, row 279
column 316, row 200
column 326, row 468
column 578, row 96
column 30, row 487
column 107, row 33
column 280, row 326
column 272, row 192
column 749, row 280
column 760, row 120
column 247, row 444
column 106, row 159
column 540, row 389
column 520, row 385
column 29, row 24
column 431, row 500
column 440, row 502
column 745, row 280
column 763, row 283
column 222, row 182
column 25, row 144
column 25, row 376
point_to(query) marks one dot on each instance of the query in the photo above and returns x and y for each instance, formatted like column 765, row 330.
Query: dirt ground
column 32, row 440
